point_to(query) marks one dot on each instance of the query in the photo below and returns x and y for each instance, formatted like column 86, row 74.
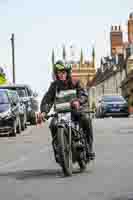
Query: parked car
column 112, row 105
column 29, row 98
column 9, row 113
column 22, row 108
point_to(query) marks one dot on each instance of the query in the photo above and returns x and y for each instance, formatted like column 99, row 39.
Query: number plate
column 115, row 109
column 64, row 116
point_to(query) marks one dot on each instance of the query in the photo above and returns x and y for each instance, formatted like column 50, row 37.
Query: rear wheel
column 65, row 152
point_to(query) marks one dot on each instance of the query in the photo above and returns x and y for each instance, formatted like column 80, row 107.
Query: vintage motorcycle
column 70, row 141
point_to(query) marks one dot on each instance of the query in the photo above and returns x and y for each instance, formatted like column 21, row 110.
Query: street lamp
column 13, row 58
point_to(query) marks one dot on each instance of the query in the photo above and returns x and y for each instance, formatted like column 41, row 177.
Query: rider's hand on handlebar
column 75, row 104
column 43, row 116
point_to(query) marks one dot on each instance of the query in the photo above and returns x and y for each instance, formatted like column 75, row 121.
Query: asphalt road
column 28, row 170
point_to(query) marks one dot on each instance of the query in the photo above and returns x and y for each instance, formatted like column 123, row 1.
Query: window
column 21, row 92
column 29, row 91
column 3, row 98
column 112, row 98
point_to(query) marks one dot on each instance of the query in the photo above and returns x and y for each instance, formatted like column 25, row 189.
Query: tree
column 3, row 79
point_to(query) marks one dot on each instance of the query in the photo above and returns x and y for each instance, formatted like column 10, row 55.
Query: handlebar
column 55, row 114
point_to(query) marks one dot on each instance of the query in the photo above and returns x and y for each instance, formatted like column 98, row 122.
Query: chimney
column 130, row 28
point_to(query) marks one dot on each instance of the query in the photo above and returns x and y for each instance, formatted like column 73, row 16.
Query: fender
column 61, row 125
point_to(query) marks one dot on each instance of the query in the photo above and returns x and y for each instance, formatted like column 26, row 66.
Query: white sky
column 42, row 25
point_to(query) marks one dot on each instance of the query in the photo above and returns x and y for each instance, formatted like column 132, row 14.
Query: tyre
column 82, row 165
column 14, row 129
column 65, row 152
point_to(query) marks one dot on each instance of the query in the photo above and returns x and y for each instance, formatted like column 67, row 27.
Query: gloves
column 41, row 117
column 75, row 104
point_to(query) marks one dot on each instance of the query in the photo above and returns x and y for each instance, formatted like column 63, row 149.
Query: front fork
column 55, row 142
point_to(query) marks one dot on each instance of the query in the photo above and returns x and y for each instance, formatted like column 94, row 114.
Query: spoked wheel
column 65, row 152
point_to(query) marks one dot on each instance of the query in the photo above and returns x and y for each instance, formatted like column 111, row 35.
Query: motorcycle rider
column 64, row 81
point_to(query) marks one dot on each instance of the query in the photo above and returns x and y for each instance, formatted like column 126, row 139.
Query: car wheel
column 14, row 129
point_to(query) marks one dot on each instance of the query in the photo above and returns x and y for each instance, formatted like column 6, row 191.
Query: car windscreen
column 3, row 98
column 113, row 98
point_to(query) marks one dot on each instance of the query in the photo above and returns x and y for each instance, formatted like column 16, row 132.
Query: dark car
column 9, row 114
column 112, row 105
column 28, row 97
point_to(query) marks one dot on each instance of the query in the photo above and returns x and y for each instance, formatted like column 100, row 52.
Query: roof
column 14, row 85
column 101, row 76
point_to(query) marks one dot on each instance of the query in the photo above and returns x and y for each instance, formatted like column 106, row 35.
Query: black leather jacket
column 49, row 98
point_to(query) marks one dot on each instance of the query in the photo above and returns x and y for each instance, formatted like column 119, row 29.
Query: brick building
column 116, row 40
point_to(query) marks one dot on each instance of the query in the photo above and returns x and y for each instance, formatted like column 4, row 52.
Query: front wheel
column 65, row 151
column 82, row 165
